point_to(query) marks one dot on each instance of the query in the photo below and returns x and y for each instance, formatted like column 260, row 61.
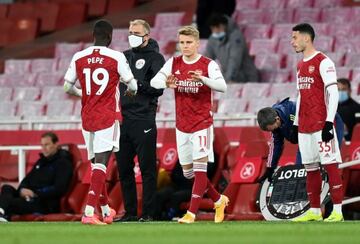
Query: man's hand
column 327, row 133
column 268, row 175
column 171, row 82
column 195, row 75
column 129, row 93
column 27, row 194
column 293, row 138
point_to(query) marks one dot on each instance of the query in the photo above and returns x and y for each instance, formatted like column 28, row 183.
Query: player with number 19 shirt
column 99, row 70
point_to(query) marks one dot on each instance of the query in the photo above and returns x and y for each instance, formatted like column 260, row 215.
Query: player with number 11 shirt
column 99, row 70
column 193, row 77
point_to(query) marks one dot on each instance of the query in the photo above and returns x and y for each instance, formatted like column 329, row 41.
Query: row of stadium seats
column 337, row 15
column 20, row 22
column 264, row 4
column 238, row 168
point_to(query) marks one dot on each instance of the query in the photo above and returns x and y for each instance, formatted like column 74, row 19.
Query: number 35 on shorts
column 326, row 146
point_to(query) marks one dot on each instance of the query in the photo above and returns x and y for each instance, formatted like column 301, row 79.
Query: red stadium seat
column 262, row 46
column 281, row 91
column 5, row 94
column 12, row 80
column 7, row 108
column 248, row 16
column 3, row 11
column 26, row 93
column 299, row 3
column 276, row 76
column 324, row 43
column 306, row 15
column 275, row 4
column 48, row 13
column 17, row 66
column 268, row 61
column 67, row 50
column 243, row 205
column 352, row 60
column 336, row 15
column 71, row 14
column 30, row 108
column 282, row 31
column 232, row 106
column 96, row 7
column 327, row 4
column 336, row 57
column 49, row 79
column 21, row 10
column 43, row 65
column 253, row 31
column 120, row 35
column 278, row 16
column 246, row 4
column 256, row 104
column 252, row 90
column 355, row 76
column 23, row 30
column 115, row 6
column 53, row 93
column 5, row 28
column 284, row 46
column 343, row 72
column 163, row 20
column 59, row 108
column 63, row 64
column 321, row 29
column 8, row 165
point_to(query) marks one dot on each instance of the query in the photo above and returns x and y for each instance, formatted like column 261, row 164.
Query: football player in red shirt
column 193, row 77
column 99, row 70
column 315, row 111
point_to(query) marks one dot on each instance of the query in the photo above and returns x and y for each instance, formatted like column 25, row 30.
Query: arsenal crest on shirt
column 311, row 69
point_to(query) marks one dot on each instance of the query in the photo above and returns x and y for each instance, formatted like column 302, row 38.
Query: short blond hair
column 143, row 23
column 189, row 30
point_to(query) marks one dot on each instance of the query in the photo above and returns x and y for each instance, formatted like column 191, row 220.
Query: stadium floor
column 169, row 232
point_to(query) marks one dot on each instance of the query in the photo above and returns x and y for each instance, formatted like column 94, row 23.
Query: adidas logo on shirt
column 177, row 72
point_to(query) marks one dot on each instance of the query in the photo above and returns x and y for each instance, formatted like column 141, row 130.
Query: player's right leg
column 184, row 149
column 330, row 158
column 310, row 159
column 101, row 144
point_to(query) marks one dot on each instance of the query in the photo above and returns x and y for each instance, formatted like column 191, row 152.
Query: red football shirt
column 313, row 76
column 193, row 99
column 99, row 70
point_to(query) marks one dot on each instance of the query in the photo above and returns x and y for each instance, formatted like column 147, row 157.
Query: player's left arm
column 125, row 73
column 328, row 75
column 70, row 80
column 215, row 80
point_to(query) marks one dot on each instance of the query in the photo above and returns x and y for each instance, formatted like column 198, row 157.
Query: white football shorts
column 314, row 150
column 102, row 140
column 196, row 145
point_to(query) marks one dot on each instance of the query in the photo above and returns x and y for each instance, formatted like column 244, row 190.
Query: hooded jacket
column 144, row 63
column 233, row 55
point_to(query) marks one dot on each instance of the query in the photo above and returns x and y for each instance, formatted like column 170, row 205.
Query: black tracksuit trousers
column 138, row 137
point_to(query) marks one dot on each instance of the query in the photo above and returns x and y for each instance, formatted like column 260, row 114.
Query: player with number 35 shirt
column 315, row 111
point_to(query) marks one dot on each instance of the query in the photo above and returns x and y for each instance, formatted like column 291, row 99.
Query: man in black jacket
column 40, row 191
column 348, row 107
column 138, row 130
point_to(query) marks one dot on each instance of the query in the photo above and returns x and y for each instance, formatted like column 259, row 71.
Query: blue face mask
column 218, row 35
column 343, row 96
